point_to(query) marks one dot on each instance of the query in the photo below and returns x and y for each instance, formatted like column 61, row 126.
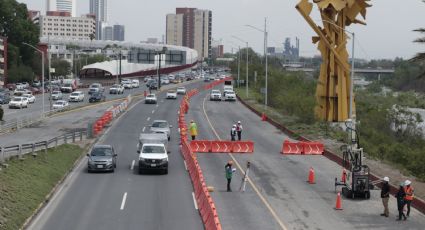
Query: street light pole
column 42, row 71
column 246, row 70
column 239, row 66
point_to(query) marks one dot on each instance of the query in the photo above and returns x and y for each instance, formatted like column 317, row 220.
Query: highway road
column 125, row 199
column 279, row 197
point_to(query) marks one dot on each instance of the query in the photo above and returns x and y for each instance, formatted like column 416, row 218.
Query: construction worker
column 233, row 133
column 239, row 130
column 401, row 202
column 409, row 195
column 229, row 173
column 193, row 130
column 385, row 195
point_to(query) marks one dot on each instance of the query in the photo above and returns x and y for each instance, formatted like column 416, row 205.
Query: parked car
column 161, row 126
column 181, row 90
column 36, row 83
column 135, row 83
column 30, row 97
column 20, row 92
column 18, row 102
column 215, row 95
column 60, row 105
column 20, row 86
column 96, row 88
column 150, row 99
column 97, row 97
column 76, row 96
column 102, row 158
column 4, row 98
column 57, row 95
column 171, row 94
column 11, row 86
column 116, row 89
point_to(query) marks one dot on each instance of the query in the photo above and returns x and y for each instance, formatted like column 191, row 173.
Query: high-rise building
column 174, row 31
column 99, row 8
column 57, row 25
column 119, row 33
column 190, row 27
column 63, row 6
column 108, row 33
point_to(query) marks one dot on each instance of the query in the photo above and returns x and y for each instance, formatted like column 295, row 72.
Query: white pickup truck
column 152, row 150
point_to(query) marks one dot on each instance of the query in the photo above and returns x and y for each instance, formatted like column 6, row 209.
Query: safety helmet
column 234, row 125
column 407, row 182
column 191, row 121
column 239, row 122
column 387, row 179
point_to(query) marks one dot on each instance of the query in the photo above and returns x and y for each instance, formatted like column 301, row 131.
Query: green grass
column 24, row 184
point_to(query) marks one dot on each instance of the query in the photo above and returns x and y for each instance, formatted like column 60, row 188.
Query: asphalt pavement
column 279, row 196
column 125, row 199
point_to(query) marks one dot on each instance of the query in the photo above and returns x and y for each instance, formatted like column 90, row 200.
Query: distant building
column 99, row 8
column 291, row 53
column 3, row 61
column 217, row 49
column 119, row 33
column 108, row 33
column 58, row 25
column 152, row 41
column 69, row 6
column 190, row 27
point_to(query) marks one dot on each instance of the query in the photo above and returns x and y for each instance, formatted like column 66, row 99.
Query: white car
column 61, row 104
column 135, row 83
column 76, row 96
column 20, row 92
column 57, row 95
column 181, row 90
column 96, row 88
column 153, row 157
column 230, row 96
column 222, row 76
column 30, row 97
column 150, row 99
column 171, row 94
column 116, row 89
column 128, row 84
column 215, row 95
column 18, row 102
column 165, row 81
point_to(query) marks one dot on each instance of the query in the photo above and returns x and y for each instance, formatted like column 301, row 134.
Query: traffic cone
column 338, row 205
column 263, row 117
column 311, row 176
column 344, row 175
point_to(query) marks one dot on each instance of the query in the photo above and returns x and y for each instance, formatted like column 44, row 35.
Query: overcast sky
column 388, row 33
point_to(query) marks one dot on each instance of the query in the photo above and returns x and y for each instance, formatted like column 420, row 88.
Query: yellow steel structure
column 333, row 88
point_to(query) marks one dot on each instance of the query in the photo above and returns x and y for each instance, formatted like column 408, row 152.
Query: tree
column 421, row 40
column 62, row 67
column 20, row 73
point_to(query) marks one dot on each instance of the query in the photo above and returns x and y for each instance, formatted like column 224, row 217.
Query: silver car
column 161, row 126
column 102, row 158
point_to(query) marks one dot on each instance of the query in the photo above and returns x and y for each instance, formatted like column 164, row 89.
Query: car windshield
column 215, row 91
column 181, row 88
column 153, row 149
column 159, row 124
column 56, row 92
column 59, row 103
column 151, row 96
column 171, row 91
column 17, row 99
column 115, row 86
column 94, row 86
column 75, row 94
column 101, row 152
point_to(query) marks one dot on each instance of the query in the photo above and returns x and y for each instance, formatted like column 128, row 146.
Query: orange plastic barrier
column 313, row 148
column 291, row 148
column 221, row 146
column 200, row 146
column 243, row 147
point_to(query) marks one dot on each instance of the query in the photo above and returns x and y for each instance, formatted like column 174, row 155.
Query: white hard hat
column 239, row 122
column 407, row 182
column 387, row 179
column 234, row 125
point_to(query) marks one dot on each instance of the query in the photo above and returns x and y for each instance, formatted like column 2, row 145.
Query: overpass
column 367, row 71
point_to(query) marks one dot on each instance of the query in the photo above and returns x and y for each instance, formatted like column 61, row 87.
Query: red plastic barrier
column 200, row 146
column 312, row 148
column 221, row 146
column 291, row 148
column 243, row 147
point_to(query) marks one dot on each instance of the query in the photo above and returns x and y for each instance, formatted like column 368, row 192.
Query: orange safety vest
column 409, row 193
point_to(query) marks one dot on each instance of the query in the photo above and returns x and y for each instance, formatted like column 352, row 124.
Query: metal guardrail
column 6, row 152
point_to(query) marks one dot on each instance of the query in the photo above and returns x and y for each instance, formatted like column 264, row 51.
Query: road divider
column 217, row 146
column 302, row 148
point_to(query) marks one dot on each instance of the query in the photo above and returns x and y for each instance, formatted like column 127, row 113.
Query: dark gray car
column 161, row 126
column 102, row 158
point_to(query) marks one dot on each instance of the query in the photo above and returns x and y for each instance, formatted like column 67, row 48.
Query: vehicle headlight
column 164, row 160
column 142, row 159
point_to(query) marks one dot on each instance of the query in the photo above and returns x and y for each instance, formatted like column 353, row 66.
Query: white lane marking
column 185, row 165
column 162, row 101
column 157, row 105
column 148, row 118
column 132, row 165
column 143, row 130
column 153, row 111
column 194, row 201
column 124, row 198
